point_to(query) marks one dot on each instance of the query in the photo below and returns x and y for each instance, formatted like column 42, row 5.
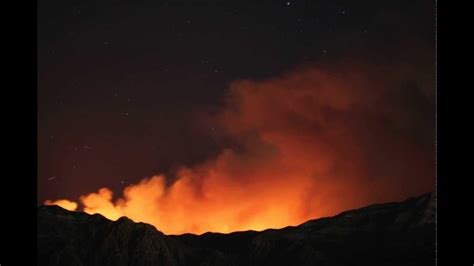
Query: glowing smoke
column 63, row 203
column 311, row 143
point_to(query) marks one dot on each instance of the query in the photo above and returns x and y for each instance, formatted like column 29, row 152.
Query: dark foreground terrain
column 383, row 234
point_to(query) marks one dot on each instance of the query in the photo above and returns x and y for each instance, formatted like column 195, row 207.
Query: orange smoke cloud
column 312, row 143
column 63, row 203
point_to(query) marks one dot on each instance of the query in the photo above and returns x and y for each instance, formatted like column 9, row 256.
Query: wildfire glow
column 312, row 143
column 63, row 203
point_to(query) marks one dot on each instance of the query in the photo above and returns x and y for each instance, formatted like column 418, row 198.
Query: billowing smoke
column 311, row 143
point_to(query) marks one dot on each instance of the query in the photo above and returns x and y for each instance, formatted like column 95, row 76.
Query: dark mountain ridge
column 397, row 233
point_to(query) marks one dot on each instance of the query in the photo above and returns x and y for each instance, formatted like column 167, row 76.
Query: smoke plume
column 310, row 143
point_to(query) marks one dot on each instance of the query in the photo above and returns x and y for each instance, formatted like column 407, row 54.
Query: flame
column 63, row 203
column 312, row 143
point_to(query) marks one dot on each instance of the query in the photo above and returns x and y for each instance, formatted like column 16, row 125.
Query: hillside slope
column 382, row 234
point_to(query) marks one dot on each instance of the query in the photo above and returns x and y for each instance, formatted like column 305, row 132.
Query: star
column 288, row 3
column 126, row 114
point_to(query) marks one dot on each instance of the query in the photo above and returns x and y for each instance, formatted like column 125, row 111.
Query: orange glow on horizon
column 63, row 203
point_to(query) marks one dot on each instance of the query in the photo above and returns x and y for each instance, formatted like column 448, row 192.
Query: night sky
column 124, row 87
